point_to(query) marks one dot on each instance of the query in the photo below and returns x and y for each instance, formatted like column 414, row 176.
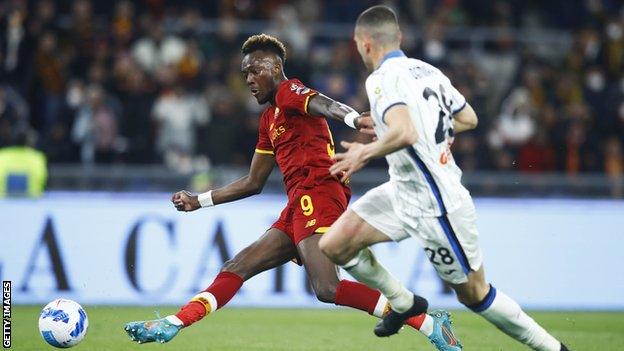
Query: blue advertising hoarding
column 136, row 249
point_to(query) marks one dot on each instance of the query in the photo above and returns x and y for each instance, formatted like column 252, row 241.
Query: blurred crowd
column 157, row 81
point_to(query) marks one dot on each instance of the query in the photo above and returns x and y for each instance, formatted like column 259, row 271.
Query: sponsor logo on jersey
column 276, row 132
column 446, row 155
column 311, row 223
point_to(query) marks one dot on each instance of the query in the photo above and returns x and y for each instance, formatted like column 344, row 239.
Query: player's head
column 376, row 33
column 263, row 65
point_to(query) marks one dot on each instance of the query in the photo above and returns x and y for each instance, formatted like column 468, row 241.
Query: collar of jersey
column 391, row 54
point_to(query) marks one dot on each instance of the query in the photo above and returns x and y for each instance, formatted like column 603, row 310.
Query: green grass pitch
column 331, row 329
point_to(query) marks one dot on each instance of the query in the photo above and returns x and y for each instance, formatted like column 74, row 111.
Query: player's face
column 260, row 71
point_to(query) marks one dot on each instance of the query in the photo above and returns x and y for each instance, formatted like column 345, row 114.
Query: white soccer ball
column 63, row 323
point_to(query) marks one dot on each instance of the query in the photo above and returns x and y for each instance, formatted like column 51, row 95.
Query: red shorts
column 313, row 210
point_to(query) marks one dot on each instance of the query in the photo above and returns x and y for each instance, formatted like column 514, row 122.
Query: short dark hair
column 377, row 15
column 264, row 42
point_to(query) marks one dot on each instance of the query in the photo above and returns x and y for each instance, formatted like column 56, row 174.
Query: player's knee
column 338, row 254
column 327, row 246
column 338, row 250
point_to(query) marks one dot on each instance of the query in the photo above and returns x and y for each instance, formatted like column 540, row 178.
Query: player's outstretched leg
column 352, row 253
column 328, row 287
column 505, row 313
column 274, row 248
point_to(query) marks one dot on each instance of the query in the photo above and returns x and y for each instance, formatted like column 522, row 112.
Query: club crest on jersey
column 298, row 89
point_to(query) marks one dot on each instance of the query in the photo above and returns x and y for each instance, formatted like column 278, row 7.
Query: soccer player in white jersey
column 417, row 112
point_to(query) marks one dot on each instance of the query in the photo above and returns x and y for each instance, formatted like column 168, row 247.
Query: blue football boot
column 158, row 330
column 443, row 337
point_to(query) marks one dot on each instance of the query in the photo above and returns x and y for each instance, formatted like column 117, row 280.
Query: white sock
column 427, row 326
column 381, row 307
column 365, row 268
column 175, row 320
column 505, row 313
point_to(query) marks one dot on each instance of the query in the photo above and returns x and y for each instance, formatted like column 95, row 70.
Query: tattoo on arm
column 321, row 105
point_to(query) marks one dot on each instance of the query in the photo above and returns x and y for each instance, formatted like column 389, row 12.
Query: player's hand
column 364, row 123
column 185, row 201
column 348, row 162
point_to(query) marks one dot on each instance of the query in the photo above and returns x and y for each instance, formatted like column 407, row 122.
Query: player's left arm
column 321, row 105
column 401, row 133
column 465, row 119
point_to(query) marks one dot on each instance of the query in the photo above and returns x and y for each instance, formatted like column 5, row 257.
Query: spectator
column 564, row 98
column 157, row 51
column 614, row 166
column 23, row 170
column 177, row 113
column 286, row 25
column 122, row 25
column 51, row 74
column 515, row 126
column 136, row 94
column 13, row 46
column 96, row 128
column 13, row 113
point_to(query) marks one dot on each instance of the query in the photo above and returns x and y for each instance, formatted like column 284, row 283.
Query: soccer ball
column 63, row 323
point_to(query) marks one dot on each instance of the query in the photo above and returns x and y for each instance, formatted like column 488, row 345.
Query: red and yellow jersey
column 302, row 144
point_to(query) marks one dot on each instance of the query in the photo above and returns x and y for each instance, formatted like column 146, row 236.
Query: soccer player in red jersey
column 293, row 133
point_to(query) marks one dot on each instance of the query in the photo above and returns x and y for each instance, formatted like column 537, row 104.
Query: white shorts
column 451, row 242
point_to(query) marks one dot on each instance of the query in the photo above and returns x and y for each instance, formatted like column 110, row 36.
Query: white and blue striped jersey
column 425, row 178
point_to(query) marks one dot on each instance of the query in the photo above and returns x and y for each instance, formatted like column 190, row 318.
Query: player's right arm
column 464, row 117
column 251, row 184
column 464, row 120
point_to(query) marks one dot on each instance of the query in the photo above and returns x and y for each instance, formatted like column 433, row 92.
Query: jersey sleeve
column 294, row 97
column 264, row 145
column 457, row 100
column 388, row 93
